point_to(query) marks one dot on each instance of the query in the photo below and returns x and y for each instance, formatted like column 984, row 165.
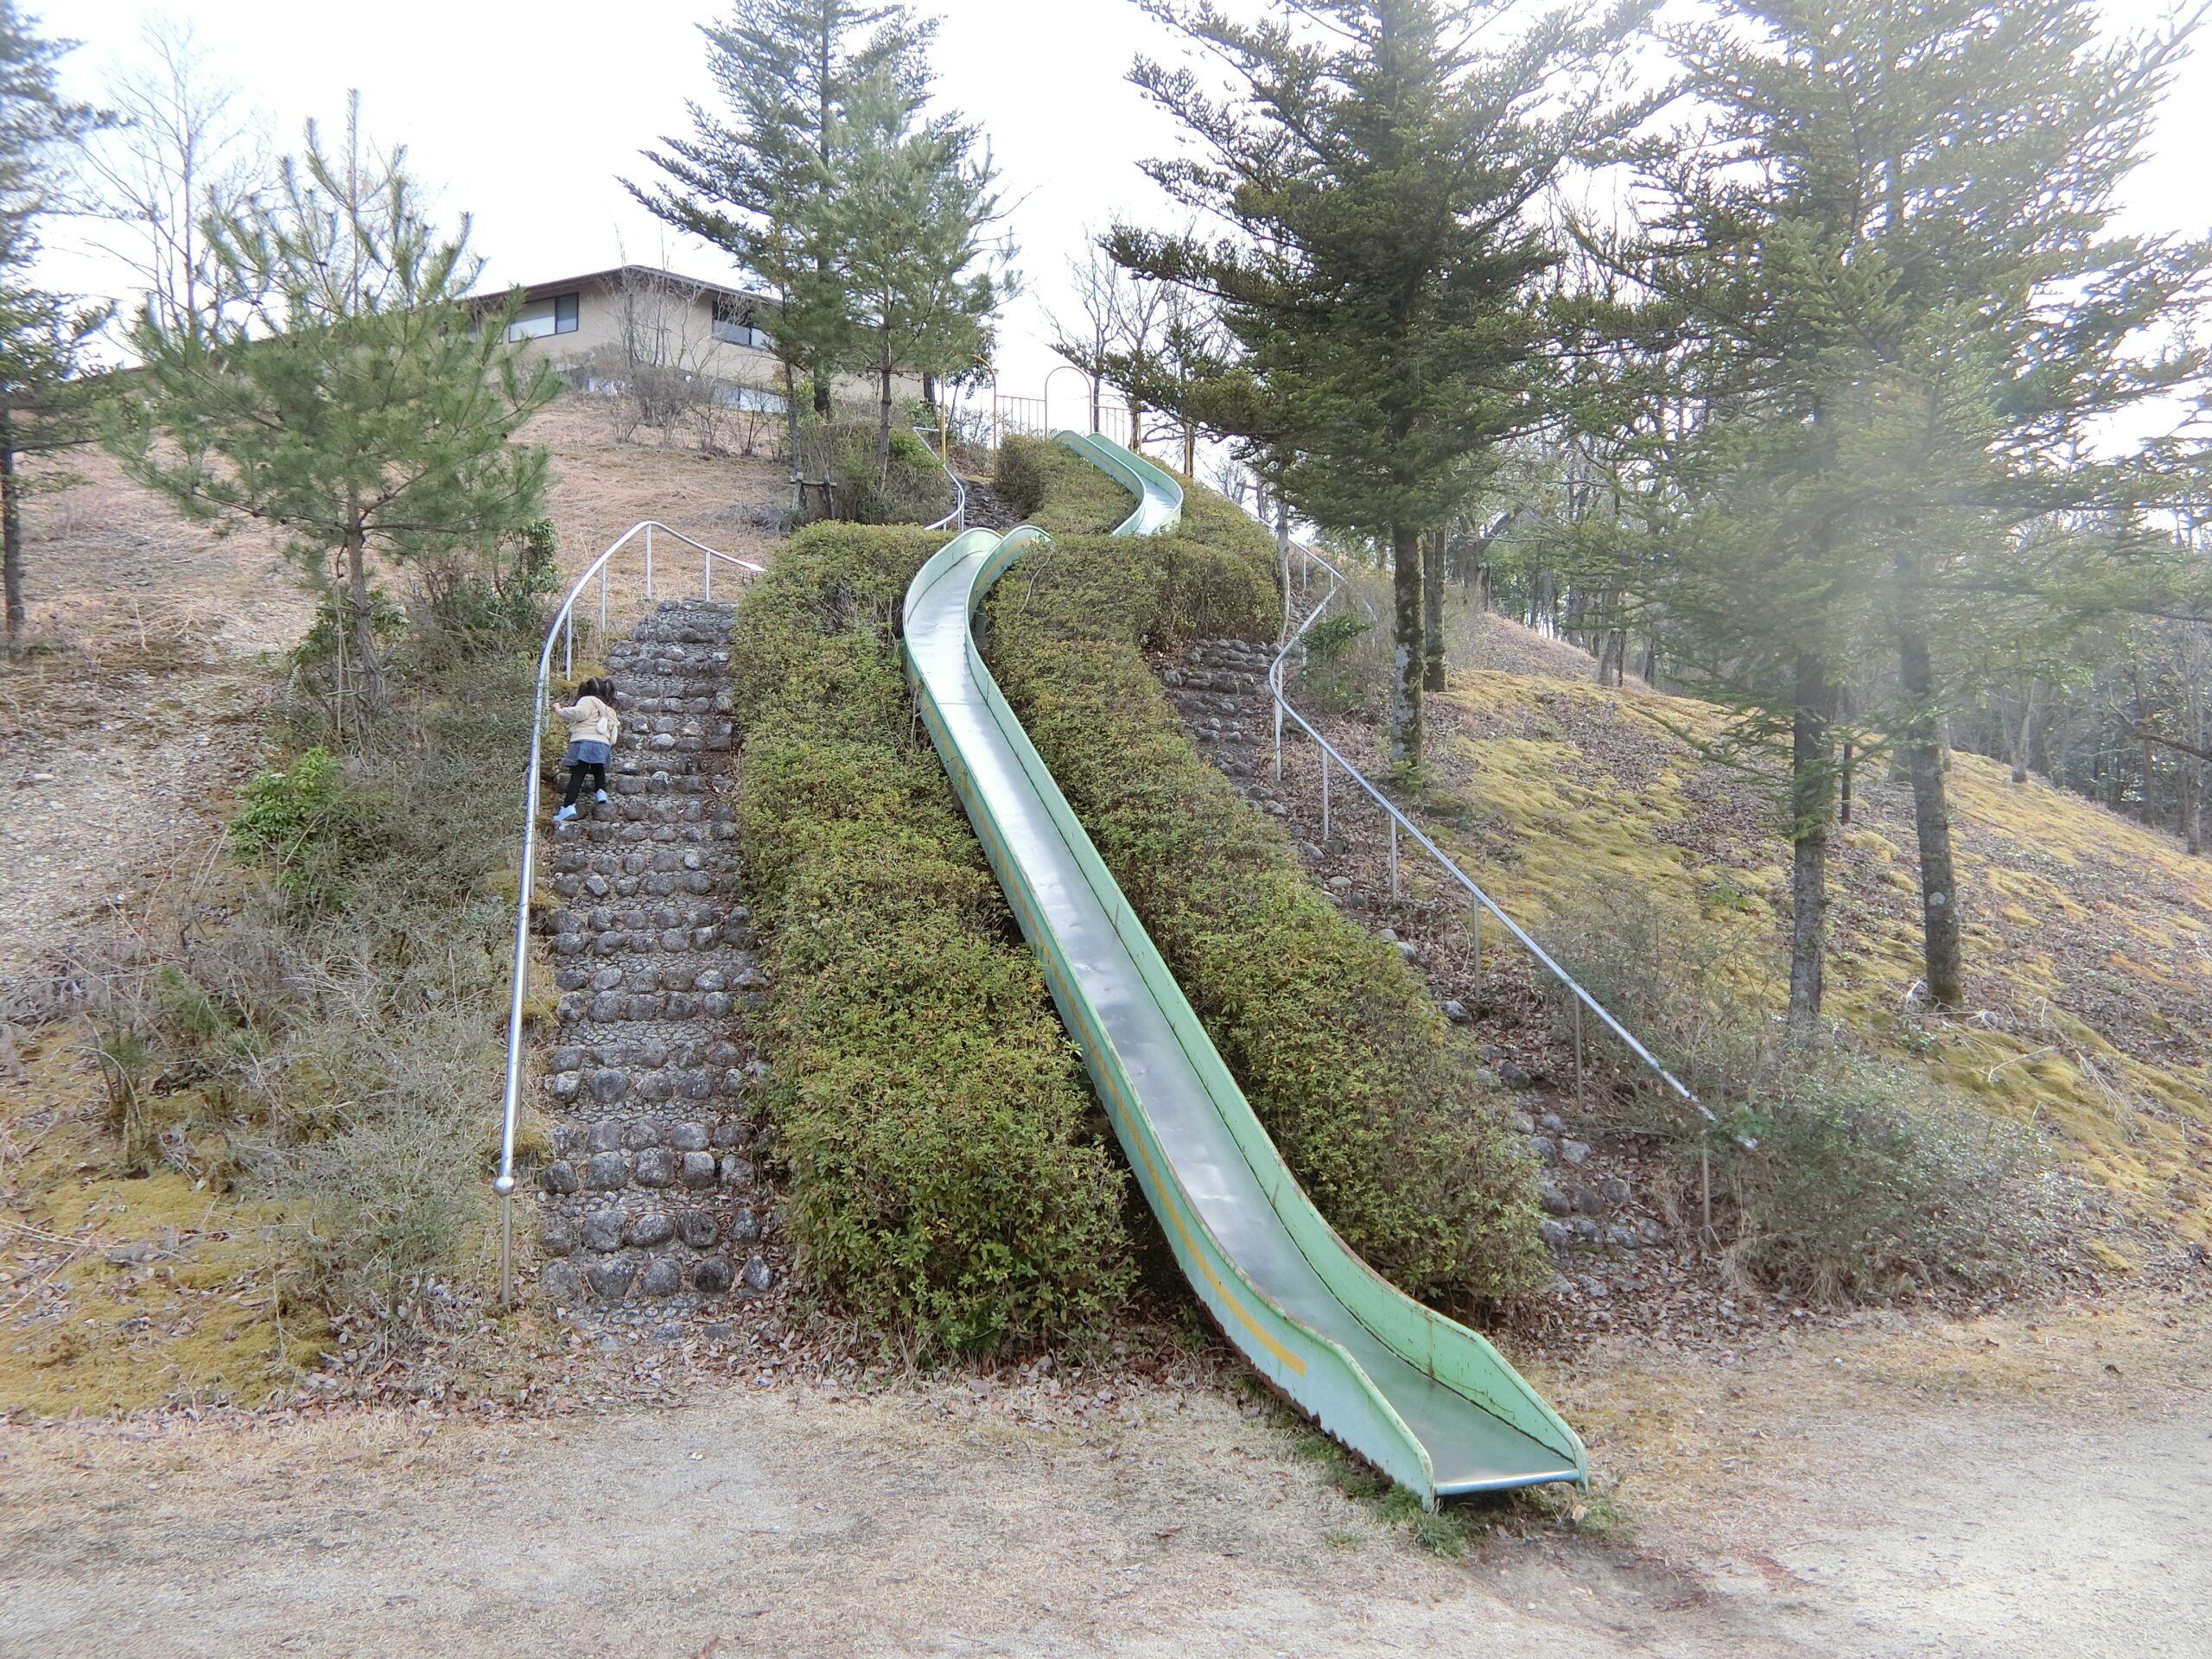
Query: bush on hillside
column 910, row 488
column 1864, row 1179
column 945, row 1176
column 1056, row 490
column 1347, row 1061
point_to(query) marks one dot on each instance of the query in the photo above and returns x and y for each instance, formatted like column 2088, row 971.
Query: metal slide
column 1423, row 1398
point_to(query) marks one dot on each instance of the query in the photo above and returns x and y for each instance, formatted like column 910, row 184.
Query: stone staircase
column 649, row 1212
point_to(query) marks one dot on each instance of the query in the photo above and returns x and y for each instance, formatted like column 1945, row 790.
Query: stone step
column 599, row 832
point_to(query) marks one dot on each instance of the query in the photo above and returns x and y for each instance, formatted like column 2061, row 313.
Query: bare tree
column 669, row 372
column 186, row 150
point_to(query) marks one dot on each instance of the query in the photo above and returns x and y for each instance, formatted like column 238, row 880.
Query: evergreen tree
column 332, row 382
column 1887, row 244
column 41, row 334
column 1383, row 291
column 766, row 182
column 915, row 202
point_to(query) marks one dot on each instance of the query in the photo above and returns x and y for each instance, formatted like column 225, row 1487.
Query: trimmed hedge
column 945, row 1177
column 1056, row 490
column 1372, row 1096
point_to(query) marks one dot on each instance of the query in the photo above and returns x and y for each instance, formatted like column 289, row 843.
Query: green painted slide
column 1422, row 1397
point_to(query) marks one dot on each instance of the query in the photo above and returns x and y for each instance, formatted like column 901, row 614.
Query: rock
column 736, row 1172
column 756, row 1275
column 1555, row 1201
column 1551, row 1124
column 696, row 1169
column 687, row 1137
column 1623, row 1238
column 1584, row 1202
column 711, row 979
column 1650, row 1232
column 562, row 1284
column 745, row 1226
column 1573, row 1153
column 559, row 1176
column 656, row 1167
column 1514, row 1074
column 655, row 1227
column 1613, row 1189
column 1409, row 951
column 1456, row 1012
column 605, row 1136
column 1544, row 1147
column 697, row 1229
column 661, row 1278
column 609, row 1085
column 1557, row 1235
column 713, row 1277
column 639, row 1133
column 606, row 1171
column 603, row 1231
column 611, row 1280
column 1523, row 1124
column 559, row 1238
column 1588, row 1228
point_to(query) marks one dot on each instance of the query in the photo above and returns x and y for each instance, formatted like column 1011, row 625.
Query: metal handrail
column 956, row 520
column 1341, row 584
column 563, row 627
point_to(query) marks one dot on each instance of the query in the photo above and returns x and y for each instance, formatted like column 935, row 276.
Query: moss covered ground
column 2088, row 939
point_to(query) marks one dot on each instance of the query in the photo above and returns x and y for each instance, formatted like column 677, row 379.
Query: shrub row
column 945, row 1177
column 1369, row 1093
column 1056, row 489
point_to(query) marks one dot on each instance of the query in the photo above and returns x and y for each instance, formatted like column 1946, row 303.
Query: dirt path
column 2051, row 1506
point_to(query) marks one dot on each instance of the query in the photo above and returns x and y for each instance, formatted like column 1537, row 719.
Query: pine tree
column 1887, row 243
column 920, row 280
column 332, row 382
column 1383, row 292
column 41, row 334
column 766, row 182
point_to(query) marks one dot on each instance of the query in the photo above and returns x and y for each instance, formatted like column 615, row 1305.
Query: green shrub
column 1348, row 1062
column 945, row 1175
column 1838, row 1176
column 303, row 821
column 1056, row 490
column 908, row 488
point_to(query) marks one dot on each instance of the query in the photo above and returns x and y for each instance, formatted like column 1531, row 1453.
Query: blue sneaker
column 564, row 815
column 600, row 798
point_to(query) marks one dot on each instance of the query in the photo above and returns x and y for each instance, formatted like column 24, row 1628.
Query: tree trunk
column 1431, row 598
column 1931, row 819
column 368, row 696
column 883, row 421
column 2024, row 735
column 1811, row 802
column 790, row 442
column 12, row 525
column 1406, row 637
column 1190, row 450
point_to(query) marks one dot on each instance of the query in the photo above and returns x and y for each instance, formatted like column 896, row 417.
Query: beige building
column 611, row 330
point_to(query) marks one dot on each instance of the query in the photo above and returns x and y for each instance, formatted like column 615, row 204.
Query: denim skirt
column 583, row 752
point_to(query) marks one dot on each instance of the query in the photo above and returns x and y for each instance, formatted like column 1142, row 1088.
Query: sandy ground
column 120, row 748
column 2071, row 1514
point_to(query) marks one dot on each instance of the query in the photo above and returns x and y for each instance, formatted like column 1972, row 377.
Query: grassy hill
column 2088, row 937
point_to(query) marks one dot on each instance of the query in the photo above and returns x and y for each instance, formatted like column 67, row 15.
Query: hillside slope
column 2089, row 940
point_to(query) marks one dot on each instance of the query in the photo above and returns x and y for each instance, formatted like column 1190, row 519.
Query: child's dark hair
column 599, row 686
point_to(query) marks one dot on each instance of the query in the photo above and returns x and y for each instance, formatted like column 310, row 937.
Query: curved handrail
column 956, row 520
column 562, row 627
column 1341, row 584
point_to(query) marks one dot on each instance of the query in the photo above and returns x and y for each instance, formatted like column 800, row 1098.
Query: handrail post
column 1394, row 858
column 1325, row 781
column 649, row 561
column 568, row 643
column 1578, row 1050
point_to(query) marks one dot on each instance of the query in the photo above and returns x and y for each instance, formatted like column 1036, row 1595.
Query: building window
column 556, row 314
column 734, row 323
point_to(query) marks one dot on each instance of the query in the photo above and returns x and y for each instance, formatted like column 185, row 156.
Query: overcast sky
column 526, row 116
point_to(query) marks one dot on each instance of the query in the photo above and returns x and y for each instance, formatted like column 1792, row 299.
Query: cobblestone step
column 651, row 1207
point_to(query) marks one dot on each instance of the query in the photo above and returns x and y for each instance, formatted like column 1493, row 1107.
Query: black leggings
column 576, row 771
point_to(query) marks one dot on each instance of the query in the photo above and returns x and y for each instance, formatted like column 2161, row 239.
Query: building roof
column 609, row 278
